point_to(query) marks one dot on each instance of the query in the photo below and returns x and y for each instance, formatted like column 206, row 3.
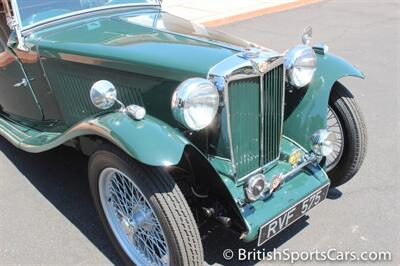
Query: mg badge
column 275, row 182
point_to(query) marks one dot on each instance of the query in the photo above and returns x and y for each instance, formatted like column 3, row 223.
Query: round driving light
column 254, row 187
column 300, row 63
column 322, row 142
column 195, row 103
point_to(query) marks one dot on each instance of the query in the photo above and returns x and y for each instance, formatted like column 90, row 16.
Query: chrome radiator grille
column 273, row 115
column 244, row 102
column 255, row 116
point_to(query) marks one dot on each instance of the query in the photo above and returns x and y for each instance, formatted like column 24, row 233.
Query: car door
column 16, row 96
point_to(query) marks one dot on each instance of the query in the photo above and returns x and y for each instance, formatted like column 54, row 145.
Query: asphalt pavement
column 47, row 217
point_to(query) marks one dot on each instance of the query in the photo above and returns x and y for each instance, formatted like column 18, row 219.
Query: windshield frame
column 20, row 28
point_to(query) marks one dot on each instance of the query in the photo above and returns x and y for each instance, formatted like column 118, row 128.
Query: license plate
column 283, row 220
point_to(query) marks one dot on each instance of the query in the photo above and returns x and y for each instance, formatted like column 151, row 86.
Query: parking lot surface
column 47, row 217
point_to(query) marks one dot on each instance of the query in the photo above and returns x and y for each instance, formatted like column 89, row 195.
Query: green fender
column 149, row 141
column 310, row 114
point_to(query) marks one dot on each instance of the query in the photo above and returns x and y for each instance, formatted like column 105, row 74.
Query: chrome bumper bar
column 308, row 159
column 278, row 180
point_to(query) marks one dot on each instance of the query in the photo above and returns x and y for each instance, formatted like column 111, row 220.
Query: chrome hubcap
column 334, row 126
column 132, row 219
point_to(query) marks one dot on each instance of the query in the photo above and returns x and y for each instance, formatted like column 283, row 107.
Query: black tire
column 165, row 198
column 355, row 135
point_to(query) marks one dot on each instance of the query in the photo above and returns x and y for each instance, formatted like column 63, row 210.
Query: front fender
column 149, row 141
column 310, row 113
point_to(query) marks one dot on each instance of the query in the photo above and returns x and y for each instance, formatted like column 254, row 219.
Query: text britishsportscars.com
column 286, row 255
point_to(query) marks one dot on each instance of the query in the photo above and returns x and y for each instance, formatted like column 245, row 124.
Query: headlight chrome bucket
column 300, row 63
column 195, row 103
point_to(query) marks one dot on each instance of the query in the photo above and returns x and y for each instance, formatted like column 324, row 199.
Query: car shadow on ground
column 60, row 175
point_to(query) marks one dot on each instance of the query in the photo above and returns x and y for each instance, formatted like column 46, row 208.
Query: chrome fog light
column 322, row 142
column 254, row 187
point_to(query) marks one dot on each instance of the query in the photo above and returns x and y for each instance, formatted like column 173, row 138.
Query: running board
column 26, row 138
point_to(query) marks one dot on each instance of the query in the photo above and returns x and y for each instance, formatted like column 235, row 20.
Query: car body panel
column 125, row 41
column 149, row 141
column 146, row 64
column 32, row 65
column 13, row 89
column 310, row 114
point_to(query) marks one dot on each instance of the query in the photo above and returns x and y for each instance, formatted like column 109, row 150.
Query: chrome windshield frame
column 18, row 21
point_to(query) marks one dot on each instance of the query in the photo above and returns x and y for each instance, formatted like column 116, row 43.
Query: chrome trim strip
column 228, row 121
column 262, row 118
column 283, row 106
column 243, row 66
column 86, row 127
column 309, row 159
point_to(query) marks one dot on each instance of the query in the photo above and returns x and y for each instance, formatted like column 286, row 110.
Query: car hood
column 147, row 41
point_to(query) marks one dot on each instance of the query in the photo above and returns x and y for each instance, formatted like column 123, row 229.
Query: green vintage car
column 183, row 124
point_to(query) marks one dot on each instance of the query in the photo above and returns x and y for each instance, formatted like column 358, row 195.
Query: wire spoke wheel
column 334, row 126
column 345, row 120
column 132, row 219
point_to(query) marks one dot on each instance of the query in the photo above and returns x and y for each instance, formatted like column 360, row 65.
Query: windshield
column 35, row 11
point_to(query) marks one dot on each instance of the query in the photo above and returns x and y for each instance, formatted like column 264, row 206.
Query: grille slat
column 245, row 120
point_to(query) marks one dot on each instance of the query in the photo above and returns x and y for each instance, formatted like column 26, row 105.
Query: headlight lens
column 195, row 103
column 300, row 63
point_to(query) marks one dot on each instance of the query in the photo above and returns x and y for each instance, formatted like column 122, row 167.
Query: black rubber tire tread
column 167, row 201
column 355, row 135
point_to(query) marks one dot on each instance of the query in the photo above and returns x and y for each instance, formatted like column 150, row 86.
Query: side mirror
column 12, row 40
column 103, row 94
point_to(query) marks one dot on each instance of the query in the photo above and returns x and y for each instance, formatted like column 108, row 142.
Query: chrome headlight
column 300, row 63
column 195, row 103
